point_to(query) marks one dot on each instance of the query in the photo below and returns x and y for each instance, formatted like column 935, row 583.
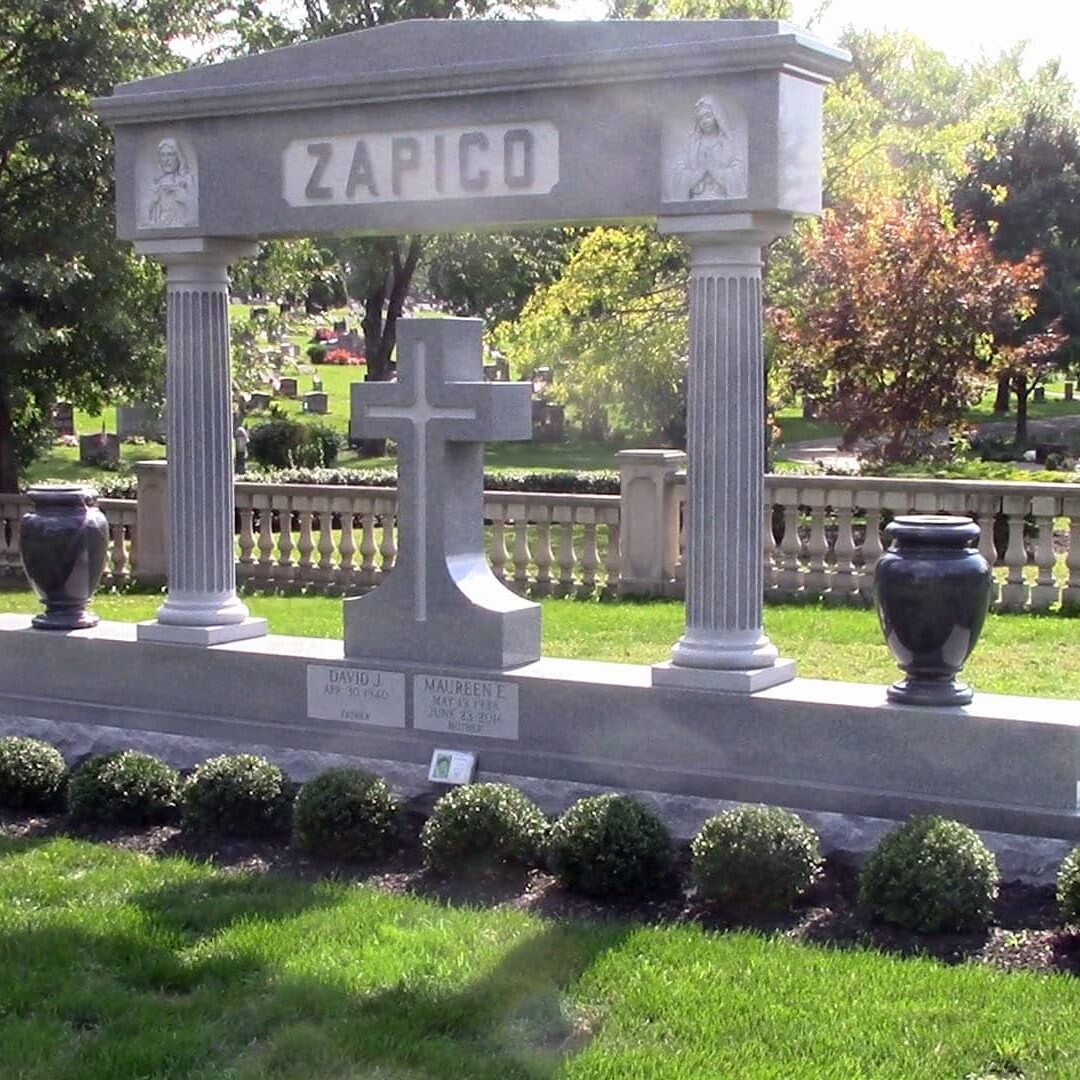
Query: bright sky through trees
column 964, row 30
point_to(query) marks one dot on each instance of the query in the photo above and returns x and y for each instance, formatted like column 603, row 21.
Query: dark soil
column 1025, row 935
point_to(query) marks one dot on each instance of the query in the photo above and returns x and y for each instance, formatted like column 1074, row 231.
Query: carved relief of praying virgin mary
column 173, row 200
column 708, row 166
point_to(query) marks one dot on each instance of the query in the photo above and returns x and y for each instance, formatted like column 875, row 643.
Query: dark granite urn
column 64, row 541
column 933, row 593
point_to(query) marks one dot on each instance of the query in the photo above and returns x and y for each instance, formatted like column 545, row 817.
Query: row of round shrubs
column 930, row 874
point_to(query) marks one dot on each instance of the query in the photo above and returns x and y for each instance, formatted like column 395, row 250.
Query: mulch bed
column 1025, row 935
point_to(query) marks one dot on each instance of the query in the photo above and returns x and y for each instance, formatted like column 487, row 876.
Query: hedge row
column 930, row 874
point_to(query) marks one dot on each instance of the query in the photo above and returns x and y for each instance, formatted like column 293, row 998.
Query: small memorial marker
column 452, row 767
column 463, row 706
column 356, row 695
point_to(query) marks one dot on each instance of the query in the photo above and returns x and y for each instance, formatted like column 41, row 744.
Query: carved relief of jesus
column 707, row 166
column 174, row 197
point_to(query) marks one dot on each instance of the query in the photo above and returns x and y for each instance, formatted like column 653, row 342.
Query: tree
column 1023, row 190
column 492, row 276
column 613, row 330
column 378, row 272
column 896, row 318
column 79, row 317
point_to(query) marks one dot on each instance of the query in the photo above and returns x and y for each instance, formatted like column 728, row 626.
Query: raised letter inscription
column 465, row 706
column 417, row 166
column 356, row 695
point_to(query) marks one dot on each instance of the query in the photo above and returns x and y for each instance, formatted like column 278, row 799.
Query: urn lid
column 933, row 530
column 63, row 495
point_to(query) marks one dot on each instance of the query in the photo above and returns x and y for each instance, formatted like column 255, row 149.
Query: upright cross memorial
column 710, row 129
column 442, row 604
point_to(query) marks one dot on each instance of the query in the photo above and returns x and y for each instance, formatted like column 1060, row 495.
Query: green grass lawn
column 1030, row 655
column 119, row 966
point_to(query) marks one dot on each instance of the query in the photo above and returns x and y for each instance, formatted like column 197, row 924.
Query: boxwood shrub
column 483, row 823
column 32, row 774
column 238, row 795
column 756, row 854
column 610, row 845
column 1068, row 887
column 124, row 787
column 346, row 813
column 931, row 874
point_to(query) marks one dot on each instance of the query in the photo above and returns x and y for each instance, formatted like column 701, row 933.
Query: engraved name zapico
column 413, row 166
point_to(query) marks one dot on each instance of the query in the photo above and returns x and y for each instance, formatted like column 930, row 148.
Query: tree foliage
column 1023, row 190
column 80, row 317
column 613, row 330
column 896, row 318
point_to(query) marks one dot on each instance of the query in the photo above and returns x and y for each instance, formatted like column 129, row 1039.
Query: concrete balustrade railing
column 822, row 536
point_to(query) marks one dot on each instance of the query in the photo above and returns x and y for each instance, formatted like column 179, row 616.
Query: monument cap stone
column 442, row 123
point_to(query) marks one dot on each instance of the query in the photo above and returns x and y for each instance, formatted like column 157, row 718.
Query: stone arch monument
column 710, row 129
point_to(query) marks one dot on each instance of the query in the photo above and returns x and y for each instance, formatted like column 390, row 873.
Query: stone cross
column 442, row 604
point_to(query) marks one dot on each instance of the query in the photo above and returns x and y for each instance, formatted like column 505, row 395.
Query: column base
column 726, row 650
column 220, row 610
column 171, row 634
column 745, row 681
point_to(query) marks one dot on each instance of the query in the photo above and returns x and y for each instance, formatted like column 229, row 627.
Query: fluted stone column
column 724, row 646
column 202, row 607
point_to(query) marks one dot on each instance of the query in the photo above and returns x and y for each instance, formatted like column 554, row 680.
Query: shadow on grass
column 170, row 994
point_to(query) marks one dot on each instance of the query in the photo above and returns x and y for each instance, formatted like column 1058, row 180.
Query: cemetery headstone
column 287, row 387
column 63, row 418
column 101, row 449
column 139, row 420
column 442, row 604
column 1039, row 396
column 258, row 400
column 316, row 402
column 1069, row 391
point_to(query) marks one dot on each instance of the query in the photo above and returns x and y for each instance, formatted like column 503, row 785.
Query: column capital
column 733, row 232
column 206, row 251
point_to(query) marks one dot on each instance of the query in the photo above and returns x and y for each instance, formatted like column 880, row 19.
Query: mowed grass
column 1029, row 655
column 119, row 966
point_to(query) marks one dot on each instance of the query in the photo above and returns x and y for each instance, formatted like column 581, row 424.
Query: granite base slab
column 742, row 681
column 171, row 634
column 1006, row 764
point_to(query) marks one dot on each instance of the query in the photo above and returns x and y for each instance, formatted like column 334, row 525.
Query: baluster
column 368, row 549
column 1014, row 591
column 590, row 559
column 844, row 585
column 118, row 558
column 133, row 546
column 790, row 579
column 388, row 546
column 986, row 511
column 522, row 558
column 768, row 552
column 285, row 567
column 544, row 556
column 1045, row 591
column 305, row 545
column 266, row 569
column 247, row 536
column 817, row 546
column 872, row 548
column 499, row 556
column 326, row 548
column 9, row 554
column 1070, row 598
column 679, row 570
column 567, row 559
column 612, row 566
column 346, row 571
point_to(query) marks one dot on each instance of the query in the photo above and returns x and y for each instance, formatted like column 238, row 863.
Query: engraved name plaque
column 427, row 165
column 356, row 695
column 459, row 706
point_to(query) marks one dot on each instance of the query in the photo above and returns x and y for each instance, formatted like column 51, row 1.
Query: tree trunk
column 1020, row 385
column 1001, row 400
column 9, row 474
column 380, row 330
